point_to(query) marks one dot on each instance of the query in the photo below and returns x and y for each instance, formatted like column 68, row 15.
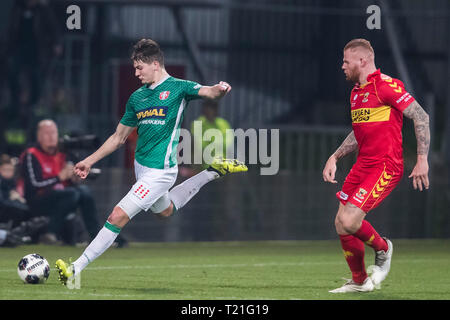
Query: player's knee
column 343, row 225
column 349, row 226
column 350, row 218
column 118, row 217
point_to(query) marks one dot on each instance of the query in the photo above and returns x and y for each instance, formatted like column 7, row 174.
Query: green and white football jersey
column 157, row 112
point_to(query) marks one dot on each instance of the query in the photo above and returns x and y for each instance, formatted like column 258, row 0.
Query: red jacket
column 39, row 171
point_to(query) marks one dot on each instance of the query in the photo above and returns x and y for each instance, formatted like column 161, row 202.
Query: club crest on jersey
column 366, row 96
column 164, row 95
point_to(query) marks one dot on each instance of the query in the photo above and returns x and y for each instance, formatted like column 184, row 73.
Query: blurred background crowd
column 283, row 61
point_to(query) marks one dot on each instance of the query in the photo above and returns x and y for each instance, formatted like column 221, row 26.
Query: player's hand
column 329, row 171
column 216, row 91
column 420, row 174
column 224, row 88
column 82, row 169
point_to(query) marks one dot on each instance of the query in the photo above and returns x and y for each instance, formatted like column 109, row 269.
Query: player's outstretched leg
column 104, row 239
column 184, row 192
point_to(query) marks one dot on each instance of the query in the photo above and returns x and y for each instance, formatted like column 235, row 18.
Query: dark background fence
column 283, row 59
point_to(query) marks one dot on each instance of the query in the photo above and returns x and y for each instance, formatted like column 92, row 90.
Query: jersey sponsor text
column 152, row 112
column 371, row 114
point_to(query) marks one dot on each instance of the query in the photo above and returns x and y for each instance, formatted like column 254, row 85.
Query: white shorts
column 151, row 190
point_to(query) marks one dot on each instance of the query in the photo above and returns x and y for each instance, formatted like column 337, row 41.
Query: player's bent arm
column 214, row 92
column 348, row 146
column 114, row 142
column 421, row 127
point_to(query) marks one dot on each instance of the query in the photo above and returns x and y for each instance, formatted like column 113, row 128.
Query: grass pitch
column 280, row 270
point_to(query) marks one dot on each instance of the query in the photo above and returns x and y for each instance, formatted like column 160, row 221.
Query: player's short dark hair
column 147, row 51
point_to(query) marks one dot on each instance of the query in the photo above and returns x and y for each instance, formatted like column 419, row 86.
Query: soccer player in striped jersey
column 156, row 109
column 378, row 104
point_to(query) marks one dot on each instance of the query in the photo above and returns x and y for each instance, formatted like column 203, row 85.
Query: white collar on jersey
column 153, row 86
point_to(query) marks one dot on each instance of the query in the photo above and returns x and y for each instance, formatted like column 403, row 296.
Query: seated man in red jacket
column 51, row 188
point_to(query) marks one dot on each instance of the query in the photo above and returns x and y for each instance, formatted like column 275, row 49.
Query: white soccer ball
column 33, row 269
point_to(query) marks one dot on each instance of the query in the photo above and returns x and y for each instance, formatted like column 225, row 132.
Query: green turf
column 231, row 271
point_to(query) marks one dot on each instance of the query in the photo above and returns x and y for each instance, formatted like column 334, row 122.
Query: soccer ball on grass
column 33, row 269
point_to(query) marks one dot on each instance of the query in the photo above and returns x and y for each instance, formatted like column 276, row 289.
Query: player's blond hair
column 360, row 43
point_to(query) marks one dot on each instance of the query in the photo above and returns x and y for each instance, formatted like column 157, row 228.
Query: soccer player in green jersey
column 156, row 109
